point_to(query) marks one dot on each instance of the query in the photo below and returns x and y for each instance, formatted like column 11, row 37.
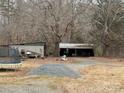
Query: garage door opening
column 76, row 50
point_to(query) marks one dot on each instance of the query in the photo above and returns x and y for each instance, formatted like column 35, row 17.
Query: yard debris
column 57, row 70
column 64, row 58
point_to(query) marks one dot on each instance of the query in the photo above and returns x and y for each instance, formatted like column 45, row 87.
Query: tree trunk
column 56, row 50
column 105, row 49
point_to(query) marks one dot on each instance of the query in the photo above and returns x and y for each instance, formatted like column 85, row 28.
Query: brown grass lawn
column 98, row 79
column 101, row 78
column 95, row 79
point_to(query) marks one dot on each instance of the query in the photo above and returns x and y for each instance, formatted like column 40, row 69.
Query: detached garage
column 76, row 50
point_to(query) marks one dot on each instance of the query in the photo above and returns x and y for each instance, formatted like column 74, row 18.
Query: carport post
column 67, row 50
column 75, row 52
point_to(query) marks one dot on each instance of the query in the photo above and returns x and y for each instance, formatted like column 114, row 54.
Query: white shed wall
column 36, row 49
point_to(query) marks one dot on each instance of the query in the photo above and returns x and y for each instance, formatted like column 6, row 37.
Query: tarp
column 14, row 57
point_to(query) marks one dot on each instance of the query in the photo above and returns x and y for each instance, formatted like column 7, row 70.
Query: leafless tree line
column 54, row 21
column 108, row 25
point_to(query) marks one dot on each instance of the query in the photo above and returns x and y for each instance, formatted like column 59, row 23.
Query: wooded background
column 100, row 22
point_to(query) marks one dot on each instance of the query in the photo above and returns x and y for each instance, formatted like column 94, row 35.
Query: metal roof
column 30, row 43
column 76, row 46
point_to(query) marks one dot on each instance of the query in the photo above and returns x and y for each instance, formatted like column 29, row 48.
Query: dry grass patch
column 96, row 79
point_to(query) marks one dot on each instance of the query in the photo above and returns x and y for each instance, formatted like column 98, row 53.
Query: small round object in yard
column 64, row 58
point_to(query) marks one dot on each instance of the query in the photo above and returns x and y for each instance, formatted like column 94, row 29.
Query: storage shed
column 76, row 50
column 37, row 48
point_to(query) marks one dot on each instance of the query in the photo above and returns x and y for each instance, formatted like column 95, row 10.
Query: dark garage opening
column 76, row 52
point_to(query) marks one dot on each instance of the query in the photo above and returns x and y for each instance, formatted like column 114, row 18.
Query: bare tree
column 50, row 21
column 57, row 21
column 108, row 22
